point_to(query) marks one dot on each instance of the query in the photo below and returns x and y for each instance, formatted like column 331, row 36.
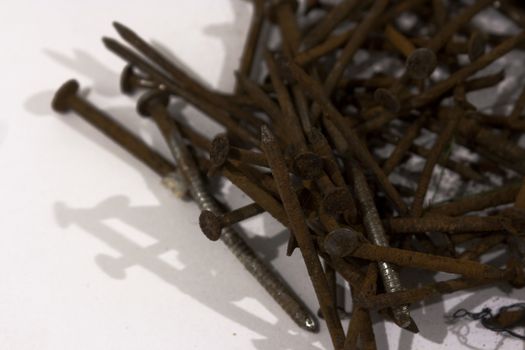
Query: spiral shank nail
column 377, row 235
column 277, row 289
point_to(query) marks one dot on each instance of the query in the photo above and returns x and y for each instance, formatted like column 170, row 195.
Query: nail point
column 121, row 29
column 311, row 325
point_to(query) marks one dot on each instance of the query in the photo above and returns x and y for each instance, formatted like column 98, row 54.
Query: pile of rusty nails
column 301, row 141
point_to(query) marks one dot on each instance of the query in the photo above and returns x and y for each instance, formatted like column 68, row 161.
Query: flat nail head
column 337, row 201
column 387, row 100
column 126, row 87
column 220, row 148
column 308, row 165
column 421, row 63
column 61, row 99
column 342, row 242
column 149, row 99
column 210, row 225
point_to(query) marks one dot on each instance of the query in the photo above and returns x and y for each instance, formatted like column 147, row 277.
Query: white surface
column 95, row 254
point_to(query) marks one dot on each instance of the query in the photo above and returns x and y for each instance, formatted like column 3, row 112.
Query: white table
column 95, row 253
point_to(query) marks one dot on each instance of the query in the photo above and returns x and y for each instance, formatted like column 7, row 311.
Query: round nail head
column 210, row 225
column 220, row 148
column 421, row 63
column 149, row 99
column 308, row 165
column 342, row 242
column 387, row 100
column 126, row 86
column 61, row 99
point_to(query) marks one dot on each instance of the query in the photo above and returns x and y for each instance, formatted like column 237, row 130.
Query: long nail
column 482, row 246
column 476, row 202
column 354, row 327
column 327, row 24
column 404, row 144
column 351, row 141
column 450, row 225
column 437, row 90
column 376, row 234
column 252, row 41
column 409, row 296
column 154, row 105
column 291, row 121
column 359, row 36
column 402, row 257
column 441, row 38
column 182, row 79
column 298, row 225
column 219, row 115
column 67, row 99
column 443, row 139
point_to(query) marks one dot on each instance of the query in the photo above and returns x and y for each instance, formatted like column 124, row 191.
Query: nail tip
column 310, row 324
column 412, row 326
column 108, row 42
column 120, row 28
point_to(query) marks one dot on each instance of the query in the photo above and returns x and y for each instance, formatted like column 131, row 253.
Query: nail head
column 210, row 225
column 220, row 148
column 61, row 99
column 342, row 242
column 126, row 86
column 421, row 63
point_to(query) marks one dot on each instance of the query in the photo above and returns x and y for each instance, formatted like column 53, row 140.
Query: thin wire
column 488, row 320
